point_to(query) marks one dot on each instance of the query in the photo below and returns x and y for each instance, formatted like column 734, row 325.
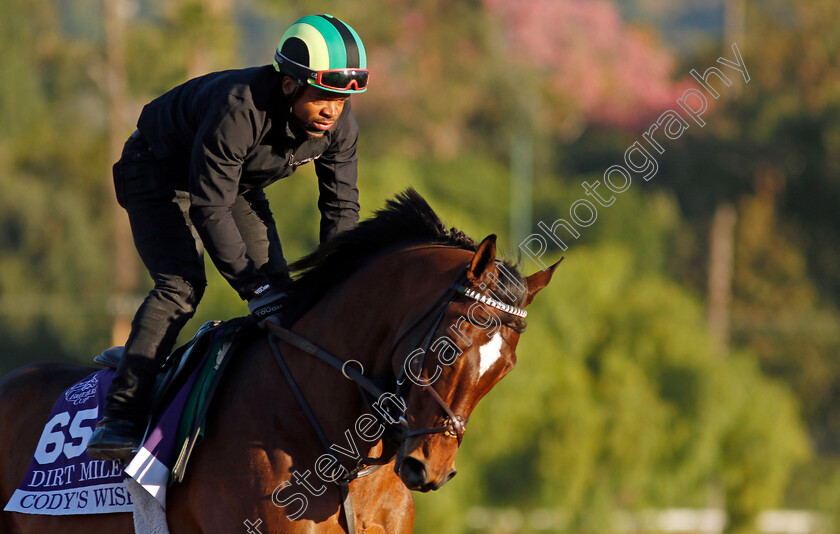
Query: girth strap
column 347, row 506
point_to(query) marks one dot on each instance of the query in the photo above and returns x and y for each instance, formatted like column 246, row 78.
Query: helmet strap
column 296, row 91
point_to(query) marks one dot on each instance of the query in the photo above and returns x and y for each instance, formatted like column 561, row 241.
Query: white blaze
column 489, row 353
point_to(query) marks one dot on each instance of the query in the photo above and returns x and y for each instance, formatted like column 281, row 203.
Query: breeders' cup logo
column 82, row 391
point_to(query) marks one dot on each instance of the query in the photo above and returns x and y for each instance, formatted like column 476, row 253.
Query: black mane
column 406, row 220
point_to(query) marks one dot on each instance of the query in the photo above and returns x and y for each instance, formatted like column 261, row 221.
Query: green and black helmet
column 324, row 52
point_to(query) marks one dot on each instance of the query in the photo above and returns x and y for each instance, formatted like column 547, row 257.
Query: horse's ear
column 483, row 259
column 539, row 280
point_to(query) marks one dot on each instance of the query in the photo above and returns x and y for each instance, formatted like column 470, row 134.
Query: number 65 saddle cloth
column 63, row 480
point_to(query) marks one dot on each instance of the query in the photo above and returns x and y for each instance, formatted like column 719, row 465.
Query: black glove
column 265, row 302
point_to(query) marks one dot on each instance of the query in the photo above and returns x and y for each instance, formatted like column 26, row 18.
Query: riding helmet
column 325, row 52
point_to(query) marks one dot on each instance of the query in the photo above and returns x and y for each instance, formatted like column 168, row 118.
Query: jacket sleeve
column 221, row 144
column 337, row 174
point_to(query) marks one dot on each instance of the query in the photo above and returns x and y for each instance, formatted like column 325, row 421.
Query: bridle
column 454, row 426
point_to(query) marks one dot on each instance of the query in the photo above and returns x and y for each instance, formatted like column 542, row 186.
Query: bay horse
column 403, row 301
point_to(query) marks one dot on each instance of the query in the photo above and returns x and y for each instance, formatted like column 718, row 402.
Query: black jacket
column 229, row 132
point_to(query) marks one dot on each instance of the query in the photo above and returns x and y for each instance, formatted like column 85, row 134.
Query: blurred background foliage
column 623, row 399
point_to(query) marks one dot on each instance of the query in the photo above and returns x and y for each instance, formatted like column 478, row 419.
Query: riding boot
column 118, row 435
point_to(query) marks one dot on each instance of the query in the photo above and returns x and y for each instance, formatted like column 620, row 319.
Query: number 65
column 52, row 444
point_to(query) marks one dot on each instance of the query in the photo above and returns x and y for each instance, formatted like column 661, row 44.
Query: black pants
column 174, row 255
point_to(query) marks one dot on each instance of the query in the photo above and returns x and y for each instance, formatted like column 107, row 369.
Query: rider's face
column 317, row 110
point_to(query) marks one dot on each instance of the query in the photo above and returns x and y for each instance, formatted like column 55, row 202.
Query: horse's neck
column 362, row 319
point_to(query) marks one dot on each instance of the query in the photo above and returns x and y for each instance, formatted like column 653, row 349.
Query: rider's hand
column 265, row 302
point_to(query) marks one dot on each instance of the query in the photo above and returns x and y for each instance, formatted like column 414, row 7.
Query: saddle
column 176, row 365
column 217, row 336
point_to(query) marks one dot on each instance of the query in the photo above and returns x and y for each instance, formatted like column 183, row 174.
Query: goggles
column 332, row 80
column 341, row 79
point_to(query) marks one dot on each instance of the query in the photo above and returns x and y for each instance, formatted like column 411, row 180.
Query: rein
column 453, row 426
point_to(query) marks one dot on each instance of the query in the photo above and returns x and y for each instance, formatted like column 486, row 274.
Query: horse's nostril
column 415, row 465
column 451, row 475
column 415, row 470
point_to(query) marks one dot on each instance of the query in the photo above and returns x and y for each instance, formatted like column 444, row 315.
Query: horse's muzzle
column 414, row 475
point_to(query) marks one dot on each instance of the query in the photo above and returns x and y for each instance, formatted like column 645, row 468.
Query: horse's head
column 467, row 345
column 453, row 318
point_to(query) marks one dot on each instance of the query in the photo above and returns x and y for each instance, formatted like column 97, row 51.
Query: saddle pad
column 61, row 478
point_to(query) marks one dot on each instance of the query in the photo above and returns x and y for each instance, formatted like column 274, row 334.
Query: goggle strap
column 303, row 71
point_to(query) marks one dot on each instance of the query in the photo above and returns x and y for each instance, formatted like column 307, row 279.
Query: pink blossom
column 593, row 61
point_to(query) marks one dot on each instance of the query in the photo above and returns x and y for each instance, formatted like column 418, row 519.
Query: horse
column 399, row 300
